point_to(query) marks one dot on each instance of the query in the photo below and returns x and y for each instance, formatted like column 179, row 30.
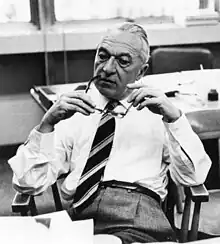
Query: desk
column 45, row 96
column 192, row 99
column 197, row 82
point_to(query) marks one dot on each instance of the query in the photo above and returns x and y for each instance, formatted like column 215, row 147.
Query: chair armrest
column 197, row 193
column 23, row 203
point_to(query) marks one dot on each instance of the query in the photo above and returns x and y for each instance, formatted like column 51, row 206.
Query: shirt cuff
column 42, row 143
column 180, row 128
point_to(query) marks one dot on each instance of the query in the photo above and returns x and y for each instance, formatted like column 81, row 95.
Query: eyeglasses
column 119, row 115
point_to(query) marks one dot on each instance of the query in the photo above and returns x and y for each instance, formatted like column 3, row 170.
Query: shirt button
column 129, row 191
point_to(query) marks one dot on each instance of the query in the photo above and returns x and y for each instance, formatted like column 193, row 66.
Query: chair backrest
column 176, row 59
column 205, row 123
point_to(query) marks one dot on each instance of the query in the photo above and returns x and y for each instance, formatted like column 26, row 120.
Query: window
column 14, row 11
column 66, row 10
column 106, row 9
column 53, row 25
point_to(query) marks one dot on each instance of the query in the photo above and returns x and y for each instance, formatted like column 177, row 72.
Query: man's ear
column 142, row 71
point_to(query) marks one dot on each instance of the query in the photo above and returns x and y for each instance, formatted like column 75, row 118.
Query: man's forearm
column 31, row 165
column 190, row 163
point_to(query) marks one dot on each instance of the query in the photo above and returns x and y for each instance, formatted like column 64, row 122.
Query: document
column 52, row 228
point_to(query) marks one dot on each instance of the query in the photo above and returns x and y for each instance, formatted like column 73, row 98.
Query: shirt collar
column 124, row 103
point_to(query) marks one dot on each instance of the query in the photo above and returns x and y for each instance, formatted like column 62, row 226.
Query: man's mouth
column 108, row 81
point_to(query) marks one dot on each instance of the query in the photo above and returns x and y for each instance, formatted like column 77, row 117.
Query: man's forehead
column 123, row 40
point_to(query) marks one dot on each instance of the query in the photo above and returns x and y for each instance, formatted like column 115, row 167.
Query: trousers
column 132, row 216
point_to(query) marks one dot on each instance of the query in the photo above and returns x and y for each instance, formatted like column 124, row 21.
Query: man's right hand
column 65, row 107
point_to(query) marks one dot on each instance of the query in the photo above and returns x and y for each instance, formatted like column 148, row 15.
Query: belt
column 131, row 187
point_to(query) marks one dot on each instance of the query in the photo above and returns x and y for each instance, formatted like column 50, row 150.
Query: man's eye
column 123, row 61
column 103, row 56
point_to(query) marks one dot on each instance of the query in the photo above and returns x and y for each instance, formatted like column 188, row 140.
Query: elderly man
column 117, row 140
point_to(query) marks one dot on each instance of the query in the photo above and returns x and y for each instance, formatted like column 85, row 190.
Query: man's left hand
column 154, row 99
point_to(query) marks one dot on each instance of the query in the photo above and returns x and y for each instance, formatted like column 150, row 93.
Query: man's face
column 119, row 60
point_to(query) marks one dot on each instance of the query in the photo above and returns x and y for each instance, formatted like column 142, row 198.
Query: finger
column 132, row 96
column 80, row 103
column 145, row 92
column 86, row 99
column 136, row 85
column 71, row 109
column 81, row 96
column 82, row 111
column 140, row 96
column 148, row 102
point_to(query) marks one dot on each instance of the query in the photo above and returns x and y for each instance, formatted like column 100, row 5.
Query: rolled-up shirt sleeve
column 189, row 163
column 39, row 162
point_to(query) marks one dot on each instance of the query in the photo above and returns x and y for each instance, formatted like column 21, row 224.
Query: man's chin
column 111, row 91
column 107, row 92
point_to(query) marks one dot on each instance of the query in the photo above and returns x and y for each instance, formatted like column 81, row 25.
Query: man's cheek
column 98, row 66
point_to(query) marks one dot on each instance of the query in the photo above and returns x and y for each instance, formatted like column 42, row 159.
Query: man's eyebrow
column 124, row 54
column 118, row 55
column 103, row 49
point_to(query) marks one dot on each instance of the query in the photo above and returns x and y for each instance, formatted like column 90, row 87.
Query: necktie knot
column 111, row 105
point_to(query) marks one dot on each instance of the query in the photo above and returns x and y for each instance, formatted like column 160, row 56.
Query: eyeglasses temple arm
column 90, row 82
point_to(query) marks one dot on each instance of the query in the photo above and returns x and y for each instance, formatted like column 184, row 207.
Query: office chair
column 25, row 205
column 176, row 59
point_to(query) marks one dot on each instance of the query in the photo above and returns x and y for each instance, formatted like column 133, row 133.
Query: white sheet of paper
column 80, row 232
column 25, row 230
column 64, row 230
column 22, row 230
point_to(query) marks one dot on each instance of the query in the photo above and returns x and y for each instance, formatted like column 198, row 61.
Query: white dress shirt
column 144, row 147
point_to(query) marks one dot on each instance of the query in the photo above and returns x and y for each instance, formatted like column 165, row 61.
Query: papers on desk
column 49, row 228
column 192, row 86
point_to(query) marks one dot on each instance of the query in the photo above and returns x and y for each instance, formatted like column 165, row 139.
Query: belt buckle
column 131, row 188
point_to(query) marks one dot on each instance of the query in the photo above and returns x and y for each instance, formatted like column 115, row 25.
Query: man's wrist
column 172, row 118
column 44, row 127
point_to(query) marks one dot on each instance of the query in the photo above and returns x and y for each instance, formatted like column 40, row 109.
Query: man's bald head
column 139, row 33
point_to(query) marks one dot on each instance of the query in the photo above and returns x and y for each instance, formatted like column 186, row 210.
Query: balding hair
column 139, row 31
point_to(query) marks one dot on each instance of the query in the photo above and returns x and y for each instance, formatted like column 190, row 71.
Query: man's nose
column 109, row 66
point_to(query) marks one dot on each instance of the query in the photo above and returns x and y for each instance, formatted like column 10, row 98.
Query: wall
column 19, row 72
column 18, row 111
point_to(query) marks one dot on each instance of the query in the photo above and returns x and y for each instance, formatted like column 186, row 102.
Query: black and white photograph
column 110, row 121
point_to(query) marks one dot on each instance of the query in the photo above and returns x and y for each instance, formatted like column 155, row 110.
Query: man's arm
column 189, row 162
column 38, row 163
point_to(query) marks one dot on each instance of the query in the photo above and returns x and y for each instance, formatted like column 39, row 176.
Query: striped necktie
column 98, row 157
